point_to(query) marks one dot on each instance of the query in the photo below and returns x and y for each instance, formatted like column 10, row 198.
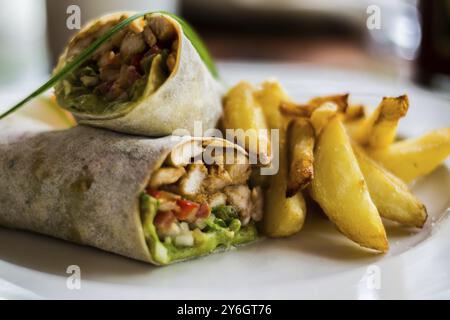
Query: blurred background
column 405, row 39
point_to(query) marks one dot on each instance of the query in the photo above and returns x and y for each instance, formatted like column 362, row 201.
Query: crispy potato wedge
column 413, row 158
column 291, row 109
column 282, row 216
column 355, row 112
column 353, row 126
column 300, row 142
column 270, row 97
column 322, row 115
column 341, row 100
column 241, row 111
column 340, row 189
column 380, row 128
column 390, row 194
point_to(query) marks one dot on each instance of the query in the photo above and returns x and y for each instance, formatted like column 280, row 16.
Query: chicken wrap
column 147, row 79
column 156, row 200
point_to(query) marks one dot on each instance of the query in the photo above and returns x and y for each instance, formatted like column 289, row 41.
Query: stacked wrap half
column 166, row 100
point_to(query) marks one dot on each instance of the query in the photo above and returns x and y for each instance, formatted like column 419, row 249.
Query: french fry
column 354, row 113
column 282, row 216
column 380, row 128
column 340, row 189
column 341, row 100
column 241, row 111
column 270, row 97
column 292, row 109
column 413, row 158
column 300, row 142
column 322, row 115
column 352, row 127
column 391, row 195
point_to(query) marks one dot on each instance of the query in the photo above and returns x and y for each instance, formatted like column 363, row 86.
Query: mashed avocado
column 216, row 235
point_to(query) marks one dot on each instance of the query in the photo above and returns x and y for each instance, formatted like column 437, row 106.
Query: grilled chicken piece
column 149, row 36
column 107, row 58
column 182, row 155
column 218, row 178
column 217, row 199
column 240, row 197
column 162, row 28
column 191, row 184
column 257, row 203
column 165, row 176
column 132, row 44
column 239, row 172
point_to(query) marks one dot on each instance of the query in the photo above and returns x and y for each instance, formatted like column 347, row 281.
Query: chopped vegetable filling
column 200, row 207
column 117, row 72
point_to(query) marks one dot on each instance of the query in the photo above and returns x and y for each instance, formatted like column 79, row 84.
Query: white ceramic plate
column 317, row 263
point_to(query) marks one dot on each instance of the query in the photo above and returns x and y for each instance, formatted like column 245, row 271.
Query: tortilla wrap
column 189, row 94
column 82, row 185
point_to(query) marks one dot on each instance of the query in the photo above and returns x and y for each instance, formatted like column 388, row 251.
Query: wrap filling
column 140, row 57
column 192, row 209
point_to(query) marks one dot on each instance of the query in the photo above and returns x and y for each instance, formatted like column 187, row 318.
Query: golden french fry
column 340, row 189
column 380, row 128
column 322, row 115
column 341, row 100
column 412, row 158
column 300, row 142
column 241, row 111
column 282, row 216
column 354, row 113
column 352, row 127
column 292, row 109
column 270, row 97
column 391, row 195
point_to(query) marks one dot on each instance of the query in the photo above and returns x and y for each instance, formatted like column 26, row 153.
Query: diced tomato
column 164, row 219
column 154, row 193
column 188, row 210
column 204, row 211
